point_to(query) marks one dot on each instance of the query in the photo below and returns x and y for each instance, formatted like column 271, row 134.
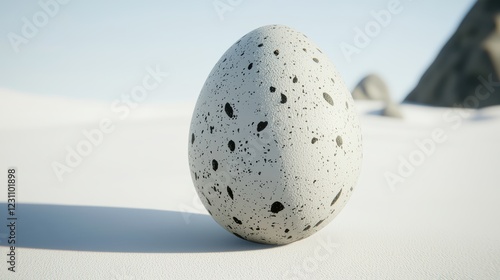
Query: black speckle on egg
column 238, row 235
column 261, row 126
column 318, row 223
column 260, row 45
column 277, row 207
column 230, row 192
column 315, row 60
column 283, row 99
column 229, row 110
column 306, row 228
column 250, row 66
column 215, row 165
column 276, row 52
column 339, row 141
column 314, row 140
column 192, row 138
column 237, row 221
column 295, row 79
column 231, row 145
column 272, row 89
column 328, row 98
column 336, row 198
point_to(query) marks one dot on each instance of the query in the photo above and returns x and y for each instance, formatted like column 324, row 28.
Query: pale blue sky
column 100, row 49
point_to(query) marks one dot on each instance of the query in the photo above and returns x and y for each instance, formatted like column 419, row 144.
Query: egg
column 275, row 144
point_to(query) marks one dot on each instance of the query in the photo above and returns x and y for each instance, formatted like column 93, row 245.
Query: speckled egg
column 275, row 144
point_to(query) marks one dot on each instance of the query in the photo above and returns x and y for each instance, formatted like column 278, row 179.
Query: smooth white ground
column 129, row 209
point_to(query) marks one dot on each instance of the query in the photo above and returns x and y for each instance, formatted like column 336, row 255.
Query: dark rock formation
column 466, row 73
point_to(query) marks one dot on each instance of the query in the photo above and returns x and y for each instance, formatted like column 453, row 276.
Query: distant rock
column 372, row 87
column 466, row 73
column 392, row 110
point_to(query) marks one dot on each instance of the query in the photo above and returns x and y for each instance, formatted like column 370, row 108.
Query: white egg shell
column 275, row 144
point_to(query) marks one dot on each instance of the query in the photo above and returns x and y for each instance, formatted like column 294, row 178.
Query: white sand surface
column 128, row 209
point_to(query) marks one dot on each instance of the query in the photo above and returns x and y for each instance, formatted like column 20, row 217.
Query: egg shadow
column 111, row 229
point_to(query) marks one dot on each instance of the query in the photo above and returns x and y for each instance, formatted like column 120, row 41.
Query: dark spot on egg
column 336, row 198
column 276, row 52
column 238, row 235
column 318, row 223
column 339, row 141
column 231, row 145
column 328, row 98
column 192, row 138
column 283, row 99
column 277, row 207
column 315, row 60
column 237, row 221
column 272, row 89
column 295, row 79
column 261, row 126
column 230, row 192
column 215, row 165
column 314, row 140
column 229, row 110
column 250, row 66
